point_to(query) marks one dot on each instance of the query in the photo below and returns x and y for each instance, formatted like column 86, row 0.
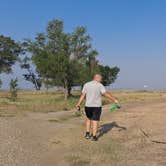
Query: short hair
column 96, row 75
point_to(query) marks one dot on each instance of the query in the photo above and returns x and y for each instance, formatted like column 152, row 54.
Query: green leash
column 114, row 107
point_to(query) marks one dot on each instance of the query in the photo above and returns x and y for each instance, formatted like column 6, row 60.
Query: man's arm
column 80, row 99
column 109, row 96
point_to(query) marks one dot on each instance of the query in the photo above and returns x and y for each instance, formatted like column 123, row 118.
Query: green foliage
column 90, row 67
column 57, row 55
column 79, row 43
column 31, row 76
column 13, row 89
column 109, row 74
column 9, row 52
column 66, row 59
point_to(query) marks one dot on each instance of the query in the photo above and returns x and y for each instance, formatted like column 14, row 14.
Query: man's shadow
column 105, row 128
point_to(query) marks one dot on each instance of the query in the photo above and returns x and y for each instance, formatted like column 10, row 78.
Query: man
column 93, row 91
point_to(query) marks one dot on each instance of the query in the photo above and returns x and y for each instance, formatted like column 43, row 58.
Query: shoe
column 87, row 135
column 94, row 138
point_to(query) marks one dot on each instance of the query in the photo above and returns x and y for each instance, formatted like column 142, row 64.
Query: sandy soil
column 133, row 136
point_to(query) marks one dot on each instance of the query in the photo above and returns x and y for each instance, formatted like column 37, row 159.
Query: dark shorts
column 93, row 113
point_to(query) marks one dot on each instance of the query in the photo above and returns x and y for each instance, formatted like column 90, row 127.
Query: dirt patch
column 126, row 138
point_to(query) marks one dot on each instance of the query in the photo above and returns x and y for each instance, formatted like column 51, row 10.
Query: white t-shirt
column 93, row 91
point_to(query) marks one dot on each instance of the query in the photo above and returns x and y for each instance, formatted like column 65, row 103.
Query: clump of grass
column 11, row 112
column 65, row 118
column 77, row 114
column 75, row 160
column 105, row 101
column 111, row 149
column 53, row 120
column 6, row 115
column 56, row 142
column 65, row 109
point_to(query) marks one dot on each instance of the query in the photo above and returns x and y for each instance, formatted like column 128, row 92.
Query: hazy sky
column 128, row 33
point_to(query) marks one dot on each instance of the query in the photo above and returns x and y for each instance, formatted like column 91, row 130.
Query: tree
column 88, row 67
column 31, row 76
column 9, row 52
column 79, row 44
column 65, row 59
column 57, row 54
column 109, row 74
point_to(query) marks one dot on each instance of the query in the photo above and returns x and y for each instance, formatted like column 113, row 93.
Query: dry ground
column 132, row 136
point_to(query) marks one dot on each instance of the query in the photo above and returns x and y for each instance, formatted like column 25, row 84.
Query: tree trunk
column 69, row 91
column 46, row 84
column 66, row 89
column 66, row 94
column 36, row 86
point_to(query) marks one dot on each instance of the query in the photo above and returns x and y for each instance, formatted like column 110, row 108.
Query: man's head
column 97, row 77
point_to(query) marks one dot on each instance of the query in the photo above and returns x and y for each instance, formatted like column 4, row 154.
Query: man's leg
column 95, row 126
column 88, row 125
column 96, row 119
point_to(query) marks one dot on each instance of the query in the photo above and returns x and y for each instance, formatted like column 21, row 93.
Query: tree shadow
column 105, row 128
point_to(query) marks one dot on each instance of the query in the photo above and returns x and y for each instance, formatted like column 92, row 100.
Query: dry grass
column 115, row 147
column 42, row 101
column 127, row 96
column 35, row 102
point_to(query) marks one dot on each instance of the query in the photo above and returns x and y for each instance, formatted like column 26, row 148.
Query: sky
column 130, row 34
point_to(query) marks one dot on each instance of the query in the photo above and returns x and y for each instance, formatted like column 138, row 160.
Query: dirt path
column 56, row 139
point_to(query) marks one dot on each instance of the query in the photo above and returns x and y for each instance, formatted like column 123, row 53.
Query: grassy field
column 46, row 132
column 42, row 101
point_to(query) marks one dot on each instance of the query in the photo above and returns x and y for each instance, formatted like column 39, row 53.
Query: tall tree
column 65, row 59
column 56, row 54
column 9, row 52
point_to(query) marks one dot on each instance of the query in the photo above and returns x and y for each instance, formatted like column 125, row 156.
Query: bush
column 13, row 89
